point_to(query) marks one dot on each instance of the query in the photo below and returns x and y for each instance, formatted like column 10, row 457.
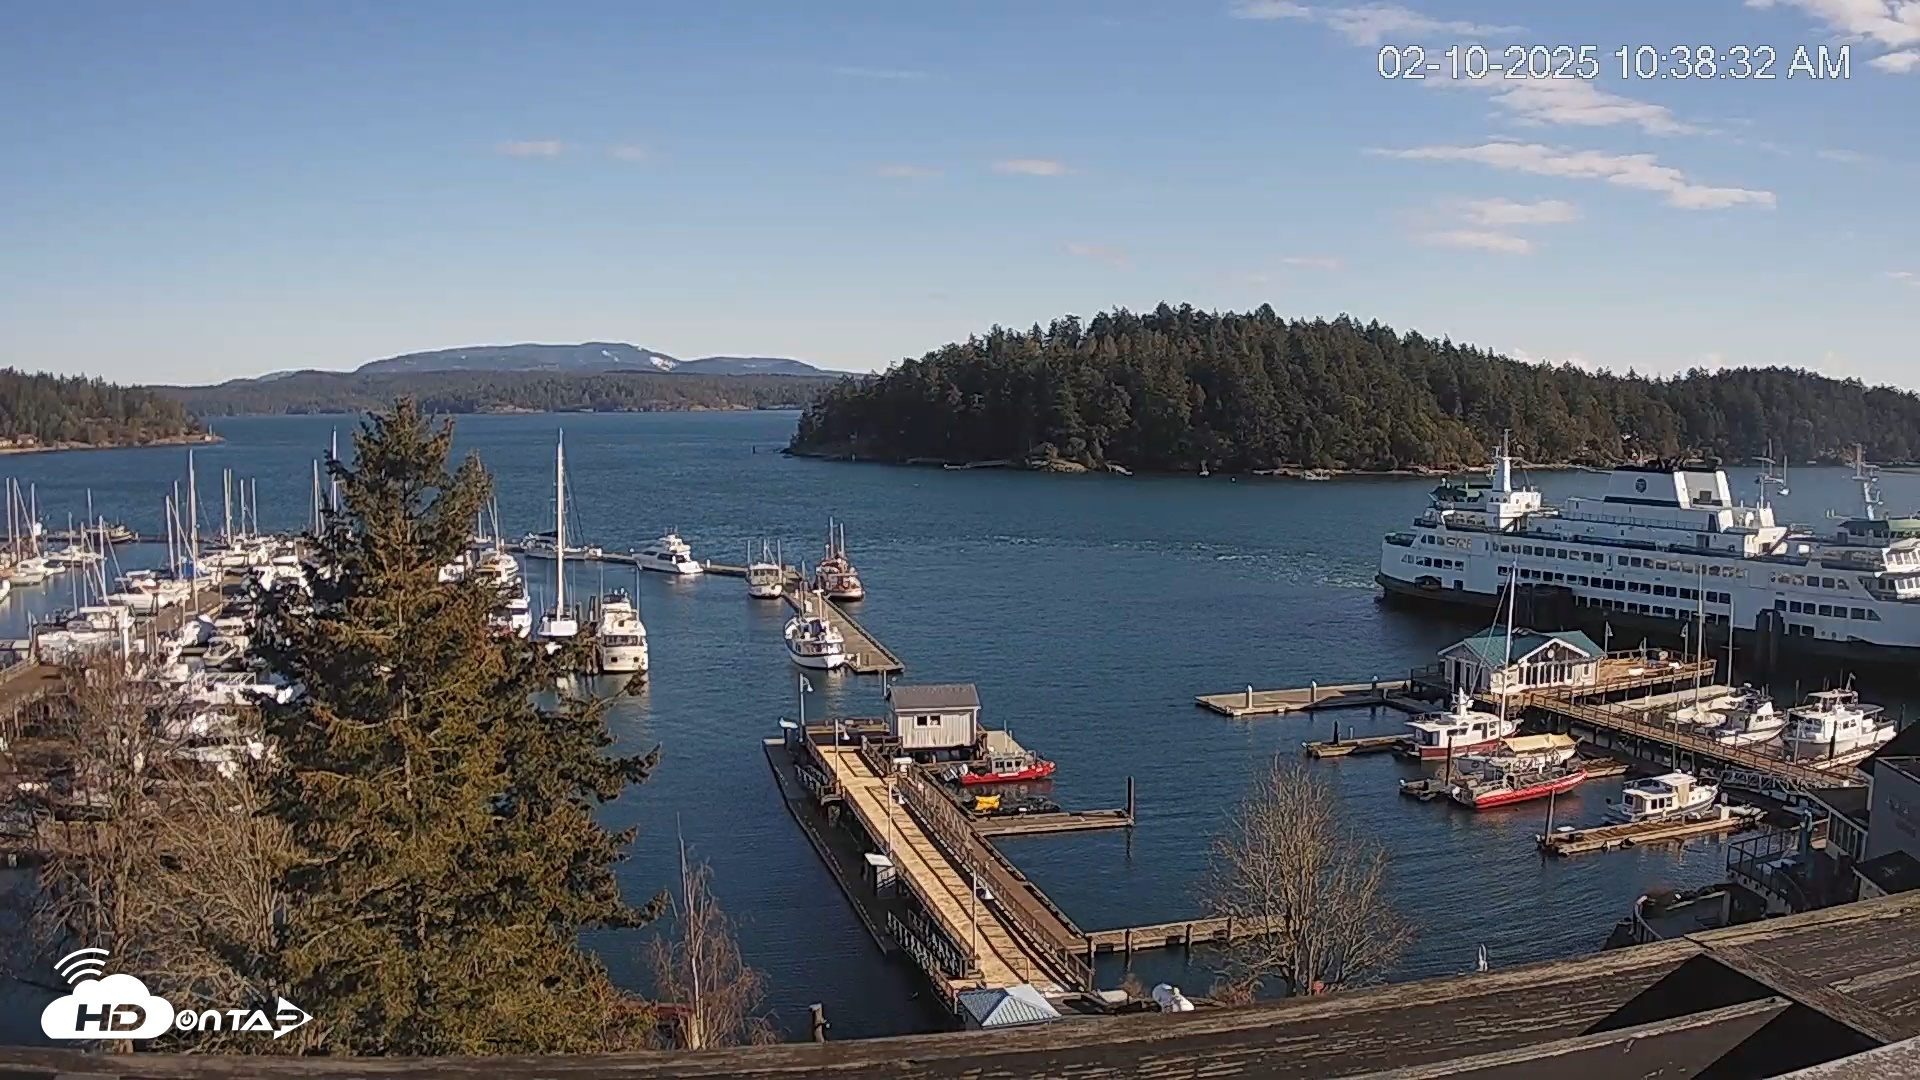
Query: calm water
column 1089, row 610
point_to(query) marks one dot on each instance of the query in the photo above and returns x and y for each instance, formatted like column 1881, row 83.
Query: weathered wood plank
column 1835, row 1005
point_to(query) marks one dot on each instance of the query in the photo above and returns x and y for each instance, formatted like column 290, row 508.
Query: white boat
column 548, row 545
column 834, row 577
column 1520, row 753
column 32, row 570
column 812, row 641
column 515, row 617
column 558, row 625
column 1831, row 723
column 619, row 637
column 1461, row 730
column 766, row 576
column 6, row 588
column 1669, row 795
column 668, row 555
column 1750, row 718
column 1668, row 547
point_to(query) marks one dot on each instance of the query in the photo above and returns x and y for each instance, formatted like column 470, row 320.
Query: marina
column 864, row 653
column 1725, row 819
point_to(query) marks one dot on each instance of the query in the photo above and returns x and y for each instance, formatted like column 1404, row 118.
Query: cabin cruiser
column 668, row 555
column 1831, row 723
column 834, row 577
column 813, row 642
column 547, row 545
column 1665, row 546
column 1463, row 730
column 1747, row 718
column 1668, row 795
column 619, row 637
column 766, row 576
column 514, row 617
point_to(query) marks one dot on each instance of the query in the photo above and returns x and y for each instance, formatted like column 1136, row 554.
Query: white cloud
column 887, row 74
column 1638, row 171
column 1499, row 213
column 1112, row 256
column 907, row 172
column 1479, row 239
column 532, row 148
column 1905, row 277
column 1030, row 167
column 1366, row 24
column 1898, row 63
column 1313, row 262
column 1894, row 24
column 1573, row 103
column 1844, row 157
column 628, row 152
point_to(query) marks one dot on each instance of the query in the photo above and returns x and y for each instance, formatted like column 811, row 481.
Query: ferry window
column 1826, row 609
column 1872, row 615
column 1858, row 613
column 1826, row 583
column 1793, row 606
column 1779, row 605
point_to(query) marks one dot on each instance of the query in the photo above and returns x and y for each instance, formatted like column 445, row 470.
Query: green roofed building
column 1490, row 663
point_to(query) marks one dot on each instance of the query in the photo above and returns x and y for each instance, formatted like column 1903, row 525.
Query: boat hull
column 764, row 592
column 1439, row 753
column 685, row 569
column 1039, row 770
column 1617, row 816
column 621, row 661
column 818, row 661
column 1508, row 796
column 845, row 596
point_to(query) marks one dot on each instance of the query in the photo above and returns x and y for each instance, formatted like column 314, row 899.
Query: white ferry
column 1665, row 546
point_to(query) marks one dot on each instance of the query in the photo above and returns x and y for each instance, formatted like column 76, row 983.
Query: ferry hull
column 1630, row 626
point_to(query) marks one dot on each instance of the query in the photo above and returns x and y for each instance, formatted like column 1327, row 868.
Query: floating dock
column 865, row 654
column 1064, row 821
column 1173, row 935
column 1618, row 728
column 1250, row 702
column 1369, row 744
column 1610, row 837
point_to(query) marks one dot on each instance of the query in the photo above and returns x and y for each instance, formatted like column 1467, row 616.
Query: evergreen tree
column 447, row 856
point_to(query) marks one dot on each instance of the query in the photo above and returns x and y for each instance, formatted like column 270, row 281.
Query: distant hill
column 620, row 389
column 51, row 412
column 587, row 356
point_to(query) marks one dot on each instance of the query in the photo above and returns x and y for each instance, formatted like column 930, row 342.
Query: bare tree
column 699, row 973
column 1291, row 866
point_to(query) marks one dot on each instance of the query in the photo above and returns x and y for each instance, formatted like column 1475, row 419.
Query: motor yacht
column 766, row 576
column 813, row 642
column 1460, row 730
column 1749, row 718
column 1831, row 723
column 668, row 555
column 619, row 638
column 1668, row 795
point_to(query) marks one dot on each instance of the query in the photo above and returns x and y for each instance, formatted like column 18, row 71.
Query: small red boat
column 1007, row 771
column 1505, row 789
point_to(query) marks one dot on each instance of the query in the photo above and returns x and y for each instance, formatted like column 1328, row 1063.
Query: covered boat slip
column 1755, row 1001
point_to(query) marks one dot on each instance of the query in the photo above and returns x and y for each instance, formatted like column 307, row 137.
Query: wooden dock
column 1368, row 744
column 1634, row 834
column 865, row 654
column 1064, row 821
column 1250, row 702
column 1173, row 935
column 1617, row 727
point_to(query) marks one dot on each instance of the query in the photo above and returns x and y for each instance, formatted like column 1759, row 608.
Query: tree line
column 459, row 392
column 52, row 410
column 1179, row 388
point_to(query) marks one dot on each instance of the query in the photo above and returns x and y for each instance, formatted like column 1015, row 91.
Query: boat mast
column 333, row 481
column 560, row 525
column 193, row 530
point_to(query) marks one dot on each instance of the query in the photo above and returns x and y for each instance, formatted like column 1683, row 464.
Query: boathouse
column 1002, row 1007
column 934, row 717
column 1481, row 664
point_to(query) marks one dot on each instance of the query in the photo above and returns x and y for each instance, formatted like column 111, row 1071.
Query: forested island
column 55, row 412
column 1181, row 388
column 445, row 392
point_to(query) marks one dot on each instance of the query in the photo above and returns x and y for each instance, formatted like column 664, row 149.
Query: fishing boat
column 1494, row 786
column 1668, row 795
column 1460, row 730
column 812, row 641
column 767, row 575
column 834, row 577
column 1749, row 718
column 619, row 637
column 1834, row 722
column 668, row 555
column 558, row 626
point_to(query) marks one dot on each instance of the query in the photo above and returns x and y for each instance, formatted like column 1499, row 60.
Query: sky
column 202, row 190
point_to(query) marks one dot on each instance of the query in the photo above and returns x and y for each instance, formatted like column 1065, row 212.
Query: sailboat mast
column 193, row 514
column 333, row 482
column 1513, row 595
column 226, row 507
column 313, row 498
column 173, row 559
column 560, row 525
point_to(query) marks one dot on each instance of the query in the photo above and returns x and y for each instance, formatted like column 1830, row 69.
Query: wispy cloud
column 1313, row 262
column 906, row 172
column 890, row 74
column 1502, row 213
column 1367, row 24
column 1892, row 24
column 1572, row 103
column 1844, row 157
column 532, row 148
column 1112, row 256
column 1638, row 171
column 1905, row 277
column 627, row 152
column 1030, row 167
column 1479, row 239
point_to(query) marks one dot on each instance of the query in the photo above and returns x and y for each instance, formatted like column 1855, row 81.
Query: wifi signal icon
column 81, row 964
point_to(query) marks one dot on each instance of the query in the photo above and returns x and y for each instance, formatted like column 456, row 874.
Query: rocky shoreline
column 1285, row 472
column 204, row 438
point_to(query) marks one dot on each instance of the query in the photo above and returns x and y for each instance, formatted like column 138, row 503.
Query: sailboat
column 558, row 625
column 835, row 578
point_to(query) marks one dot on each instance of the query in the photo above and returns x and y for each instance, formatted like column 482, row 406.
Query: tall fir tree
column 447, row 852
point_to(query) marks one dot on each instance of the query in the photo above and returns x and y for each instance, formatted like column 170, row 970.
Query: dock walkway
column 1615, row 723
column 865, row 654
column 1241, row 704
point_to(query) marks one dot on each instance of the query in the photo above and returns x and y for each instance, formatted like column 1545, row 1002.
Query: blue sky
column 201, row 190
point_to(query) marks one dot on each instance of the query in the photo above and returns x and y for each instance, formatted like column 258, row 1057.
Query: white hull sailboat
column 558, row 626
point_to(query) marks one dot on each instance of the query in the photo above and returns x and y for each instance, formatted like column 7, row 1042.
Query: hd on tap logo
column 118, row 1006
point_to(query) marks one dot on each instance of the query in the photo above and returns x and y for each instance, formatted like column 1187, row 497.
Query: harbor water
column 1089, row 610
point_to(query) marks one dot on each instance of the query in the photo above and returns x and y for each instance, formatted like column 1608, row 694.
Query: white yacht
column 1461, row 730
column 1831, row 723
column 813, row 642
column 1669, row 795
column 550, row 545
column 558, row 625
column 668, row 555
column 515, row 616
column 1748, row 718
column 619, row 637
column 1667, row 545
column 766, row 576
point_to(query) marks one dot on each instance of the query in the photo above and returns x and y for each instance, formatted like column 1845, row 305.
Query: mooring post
column 1249, row 695
column 1313, row 693
column 820, row 1025
column 1130, row 800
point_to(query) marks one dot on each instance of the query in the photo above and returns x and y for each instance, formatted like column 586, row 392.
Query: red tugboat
column 1005, row 762
column 1484, row 790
